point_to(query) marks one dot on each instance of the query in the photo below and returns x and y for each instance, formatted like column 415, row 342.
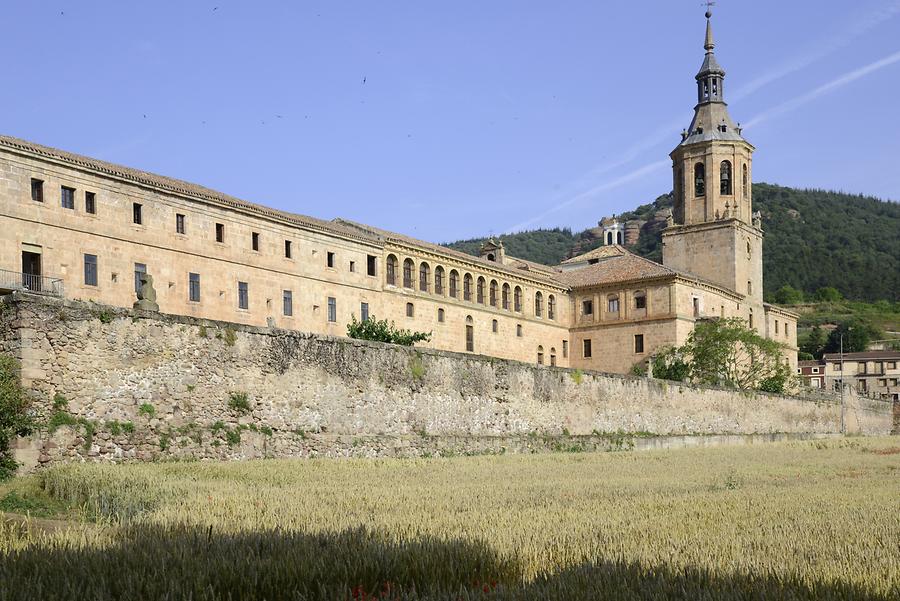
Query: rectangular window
column 287, row 301
column 370, row 264
column 352, row 266
column 410, row 310
column 37, row 190
column 776, row 327
column 90, row 203
column 892, row 365
column 638, row 343
column 587, row 349
column 67, row 198
column 254, row 241
column 640, row 302
column 696, row 304
column 139, row 268
column 243, row 296
column 364, row 311
column 837, row 367
column 440, row 315
column 519, row 330
column 287, row 249
column 587, row 307
column 90, row 270
column 329, row 259
column 137, row 215
column 613, row 305
column 495, row 326
column 565, row 349
column 194, row 287
column 179, row 224
column 332, row 308
column 220, row 232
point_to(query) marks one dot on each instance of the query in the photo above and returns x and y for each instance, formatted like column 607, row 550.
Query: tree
column 829, row 295
column 814, row 344
column 788, row 295
column 856, row 332
column 668, row 364
column 14, row 418
column 382, row 331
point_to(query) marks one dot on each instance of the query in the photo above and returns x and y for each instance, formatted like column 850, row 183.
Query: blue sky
column 453, row 120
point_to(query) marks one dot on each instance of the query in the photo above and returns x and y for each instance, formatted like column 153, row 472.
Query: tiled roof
column 890, row 355
column 811, row 363
column 602, row 252
column 619, row 268
column 174, row 185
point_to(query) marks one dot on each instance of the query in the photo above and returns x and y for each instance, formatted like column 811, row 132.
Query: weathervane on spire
column 709, row 4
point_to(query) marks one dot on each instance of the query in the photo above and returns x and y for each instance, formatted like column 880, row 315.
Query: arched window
column 391, row 270
column 424, row 276
column 609, row 238
column 439, row 280
column 495, row 326
column 749, row 252
column 440, row 316
column 618, row 237
column 410, row 310
column 725, row 178
column 552, row 357
column 467, row 287
column 517, row 300
column 612, row 303
column 480, row 291
column 679, row 183
column 519, row 330
column 454, row 283
column 504, row 297
column 470, row 333
column 495, row 288
column 745, row 180
column 540, row 355
column 551, row 307
column 640, row 300
column 538, row 304
column 699, row 180
column 408, row 273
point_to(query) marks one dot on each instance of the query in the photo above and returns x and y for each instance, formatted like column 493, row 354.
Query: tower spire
column 709, row 44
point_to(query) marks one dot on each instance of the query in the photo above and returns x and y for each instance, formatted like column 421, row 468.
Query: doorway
column 31, row 271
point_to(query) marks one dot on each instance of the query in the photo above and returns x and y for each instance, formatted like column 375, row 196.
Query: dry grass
column 813, row 520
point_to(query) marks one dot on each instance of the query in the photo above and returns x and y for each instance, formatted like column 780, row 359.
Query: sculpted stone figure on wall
column 146, row 295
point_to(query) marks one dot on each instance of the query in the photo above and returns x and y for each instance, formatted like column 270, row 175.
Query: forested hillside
column 813, row 239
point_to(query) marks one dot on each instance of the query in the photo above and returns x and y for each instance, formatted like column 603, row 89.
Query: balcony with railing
column 11, row 281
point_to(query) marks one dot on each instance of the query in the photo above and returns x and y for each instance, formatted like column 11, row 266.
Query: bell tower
column 714, row 233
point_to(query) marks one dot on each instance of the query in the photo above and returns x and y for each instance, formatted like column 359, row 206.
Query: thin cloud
column 832, row 85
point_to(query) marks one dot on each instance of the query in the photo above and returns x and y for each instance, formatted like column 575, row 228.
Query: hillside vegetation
column 813, row 239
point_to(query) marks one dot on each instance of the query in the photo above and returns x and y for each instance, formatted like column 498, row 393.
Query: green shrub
column 14, row 417
column 577, row 376
column 233, row 436
column 384, row 331
column 417, row 368
column 237, row 401
column 230, row 337
column 114, row 427
column 128, row 427
column 60, row 419
column 219, row 425
column 60, row 403
column 147, row 409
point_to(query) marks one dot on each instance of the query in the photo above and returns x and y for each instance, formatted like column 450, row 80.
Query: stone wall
column 117, row 384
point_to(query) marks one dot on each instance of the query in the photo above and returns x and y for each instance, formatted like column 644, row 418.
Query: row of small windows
column 503, row 296
column 587, row 350
column 612, row 303
column 66, row 196
column 725, row 179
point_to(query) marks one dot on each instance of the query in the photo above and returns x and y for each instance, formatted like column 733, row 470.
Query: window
column 410, row 310
column 424, row 276
column 454, row 284
column 37, row 190
column 776, row 327
column 517, row 300
column 586, row 349
column 640, row 300
column 480, row 291
column 391, row 270
column 332, row 309
column 538, row 304
column 494, row 293
column 371, row 261
column 565, row 349
column 287, row 249
column 364, row 311
column 725, row 178
column 287, row 303
column 612, row 304
column 90, row 270
column 540, row 355
column 194, row 287
column 552, row 357
column 861, row 367
column 220, row 232
column 408, row 274
column 470, row 334
column 892, row 365
column 837, row 367
column 254, row 241
column 749, row 287
column 467, row 287
column 352, row 266
column 495, row 326
column 67, row 198
column 139, row 268
column 439, row 280
column 504, row 297
column 699, row 180
column 90, row 203
column 519, row 330
column 179, row 224
column 329, row 259
column 638, row 343
column 243, row 296
column 696, row 305
column 551, row 307
column 440, row 316
column 751, row 319
column 745, row 180
column 815, row 370
column 587, row 307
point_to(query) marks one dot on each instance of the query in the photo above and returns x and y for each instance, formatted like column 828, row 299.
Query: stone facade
column 141, row 385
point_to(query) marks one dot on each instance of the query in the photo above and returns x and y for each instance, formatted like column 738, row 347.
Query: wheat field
column 803, row 520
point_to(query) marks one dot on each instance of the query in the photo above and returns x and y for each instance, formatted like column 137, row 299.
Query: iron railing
column 29, row 282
